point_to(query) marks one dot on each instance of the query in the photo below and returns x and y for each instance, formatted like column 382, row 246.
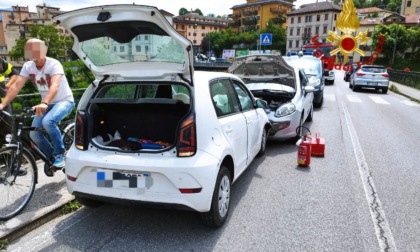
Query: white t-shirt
column 42, row 79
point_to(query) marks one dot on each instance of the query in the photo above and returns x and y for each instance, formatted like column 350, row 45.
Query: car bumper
column 285, row 127
column 143, row 178
column 371, row 84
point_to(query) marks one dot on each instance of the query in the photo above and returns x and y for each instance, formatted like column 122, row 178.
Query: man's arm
column 11, row 81
column 13, row 91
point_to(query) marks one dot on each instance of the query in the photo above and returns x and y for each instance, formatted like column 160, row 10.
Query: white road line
column 382, row 229
column 378, row 100
column 353, row 98
column 330, row 97
column 410, row 103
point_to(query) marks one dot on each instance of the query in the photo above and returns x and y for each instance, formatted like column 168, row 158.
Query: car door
column 307, row 98
column 254, row 131
column 232, row 121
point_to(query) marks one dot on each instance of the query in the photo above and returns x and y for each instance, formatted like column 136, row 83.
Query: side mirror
column 309, row 89
column 263, row 104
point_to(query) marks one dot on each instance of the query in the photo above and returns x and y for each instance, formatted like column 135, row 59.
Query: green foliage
column 198, row 11
column 182, row 11
column 71, row 207
column 3, row 244
column 396, row 38
column 57, row 43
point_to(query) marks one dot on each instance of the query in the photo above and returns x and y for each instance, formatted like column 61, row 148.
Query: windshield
column 159, row 48
column 325, row 50
column 310, row 67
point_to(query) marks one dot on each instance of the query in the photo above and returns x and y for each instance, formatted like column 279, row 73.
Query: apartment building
column 310, row 20
column 255, row 14
column 195, row 27
column 410, row 7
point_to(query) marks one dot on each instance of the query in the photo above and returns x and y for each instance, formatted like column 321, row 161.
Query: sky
column 217, row 7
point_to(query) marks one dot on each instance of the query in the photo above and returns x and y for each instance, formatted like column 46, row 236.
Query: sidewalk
column 409, row 92
column 49, row 197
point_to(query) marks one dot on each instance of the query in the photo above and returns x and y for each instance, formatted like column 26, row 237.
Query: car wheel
column 311, row 114
column 354, row 88
column 319, row 104
column 263, row 143
column 384, row 90
column 89, row 202
column 219, row 208
column 350, row 85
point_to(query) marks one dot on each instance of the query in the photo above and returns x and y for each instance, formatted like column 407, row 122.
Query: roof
column 315, row 7
column 261, row 2
column 413, row 19
column 370, row 10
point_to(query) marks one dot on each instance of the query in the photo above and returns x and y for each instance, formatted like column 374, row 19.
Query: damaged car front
column 285, row 88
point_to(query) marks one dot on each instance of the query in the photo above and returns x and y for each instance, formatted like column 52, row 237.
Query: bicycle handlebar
column 26, row 111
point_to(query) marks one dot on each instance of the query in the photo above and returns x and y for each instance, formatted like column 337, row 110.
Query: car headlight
column 285, row 110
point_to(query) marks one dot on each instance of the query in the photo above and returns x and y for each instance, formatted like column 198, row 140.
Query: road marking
column 382, row 229
column 330, row 97
column 378, row 100
column 353, row 98
column 410, row 103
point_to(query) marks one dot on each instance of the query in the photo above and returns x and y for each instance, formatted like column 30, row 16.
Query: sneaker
column 59, row 162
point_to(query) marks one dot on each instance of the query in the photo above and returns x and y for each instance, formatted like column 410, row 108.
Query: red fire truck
column 322, row 50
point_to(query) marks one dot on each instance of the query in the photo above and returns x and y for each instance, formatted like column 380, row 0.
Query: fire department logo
column 347, row 23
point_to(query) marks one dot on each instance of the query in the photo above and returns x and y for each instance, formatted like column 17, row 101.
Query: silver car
column 285, row 88
column 370, row 76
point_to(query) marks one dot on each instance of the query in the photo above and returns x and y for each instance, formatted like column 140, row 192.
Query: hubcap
column 224, row 196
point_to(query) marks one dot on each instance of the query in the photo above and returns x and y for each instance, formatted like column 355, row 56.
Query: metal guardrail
column 411, row 79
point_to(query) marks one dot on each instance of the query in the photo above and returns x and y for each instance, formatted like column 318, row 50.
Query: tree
column 414, row 41
column 211, row 15
column 279, row 36
column 396, row 37
column 198, row 11
column 183, row 11
column 57, row 43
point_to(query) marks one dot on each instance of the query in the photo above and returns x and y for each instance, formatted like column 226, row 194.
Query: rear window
column 372, row 69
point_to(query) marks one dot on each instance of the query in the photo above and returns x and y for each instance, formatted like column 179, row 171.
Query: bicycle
column 18, row 169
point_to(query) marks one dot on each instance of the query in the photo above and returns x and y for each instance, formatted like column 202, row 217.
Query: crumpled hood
column 261, row 68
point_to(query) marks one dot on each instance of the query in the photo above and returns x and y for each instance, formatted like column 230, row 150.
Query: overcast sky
column 217, row 7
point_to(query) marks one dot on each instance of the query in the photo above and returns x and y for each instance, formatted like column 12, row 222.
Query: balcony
column 278, row 10
column 249, row 21
column 278, row 20
column 250, row 13
column 235, row 23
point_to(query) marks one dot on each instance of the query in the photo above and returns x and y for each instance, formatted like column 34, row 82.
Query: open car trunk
column 138, row 124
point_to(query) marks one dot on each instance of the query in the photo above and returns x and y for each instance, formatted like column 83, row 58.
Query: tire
column 319, row 104
column 15, row 196
column 68, row 136
column 350, row 85
column 91, row 203
column 384, row 90
column 263, row 144
column 220, row 203
column 355, row 88
column 311, row 115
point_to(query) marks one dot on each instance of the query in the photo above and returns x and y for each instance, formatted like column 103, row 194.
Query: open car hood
column 264, row 68
column 128, row 42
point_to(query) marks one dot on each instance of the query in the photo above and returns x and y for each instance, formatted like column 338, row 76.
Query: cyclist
column 6, row 71
column 47, row 75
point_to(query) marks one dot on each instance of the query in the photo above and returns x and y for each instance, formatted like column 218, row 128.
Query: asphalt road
column 362, row 196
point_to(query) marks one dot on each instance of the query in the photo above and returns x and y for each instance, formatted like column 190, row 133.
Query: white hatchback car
column 149, row 129
column 285, row 88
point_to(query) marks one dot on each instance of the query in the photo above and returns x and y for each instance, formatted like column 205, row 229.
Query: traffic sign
column 266, row 39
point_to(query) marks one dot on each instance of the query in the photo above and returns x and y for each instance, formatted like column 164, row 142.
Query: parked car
column 149, row 130
column 222, row 60
column 348, row 73
column 285, row 88
column 312, row 67
column 370, row 76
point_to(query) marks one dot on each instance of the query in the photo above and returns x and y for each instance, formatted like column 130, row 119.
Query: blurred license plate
column 112, row 179
column 372, row 83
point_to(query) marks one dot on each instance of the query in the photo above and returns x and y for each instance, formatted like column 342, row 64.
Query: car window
column 118, row 92
column 371, row 69
column 223, row 97
column 244, row 98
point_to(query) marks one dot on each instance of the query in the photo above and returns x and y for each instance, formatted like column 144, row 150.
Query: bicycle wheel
column 15, row 189
column 68, row 136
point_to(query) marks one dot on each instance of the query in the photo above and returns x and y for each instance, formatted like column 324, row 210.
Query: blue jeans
column 54, row 114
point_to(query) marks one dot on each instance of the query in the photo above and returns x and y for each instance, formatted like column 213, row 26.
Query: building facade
column 310, row 20
column 255, row 14
column 410, row 7
column 195, row 27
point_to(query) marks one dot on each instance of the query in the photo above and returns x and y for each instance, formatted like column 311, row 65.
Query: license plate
column 372, row 83
column 122, row 180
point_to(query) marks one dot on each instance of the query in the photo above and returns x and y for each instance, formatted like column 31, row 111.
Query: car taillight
column 360, row 74
column 385, row 75
column 187, row 142
column 79, row 133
